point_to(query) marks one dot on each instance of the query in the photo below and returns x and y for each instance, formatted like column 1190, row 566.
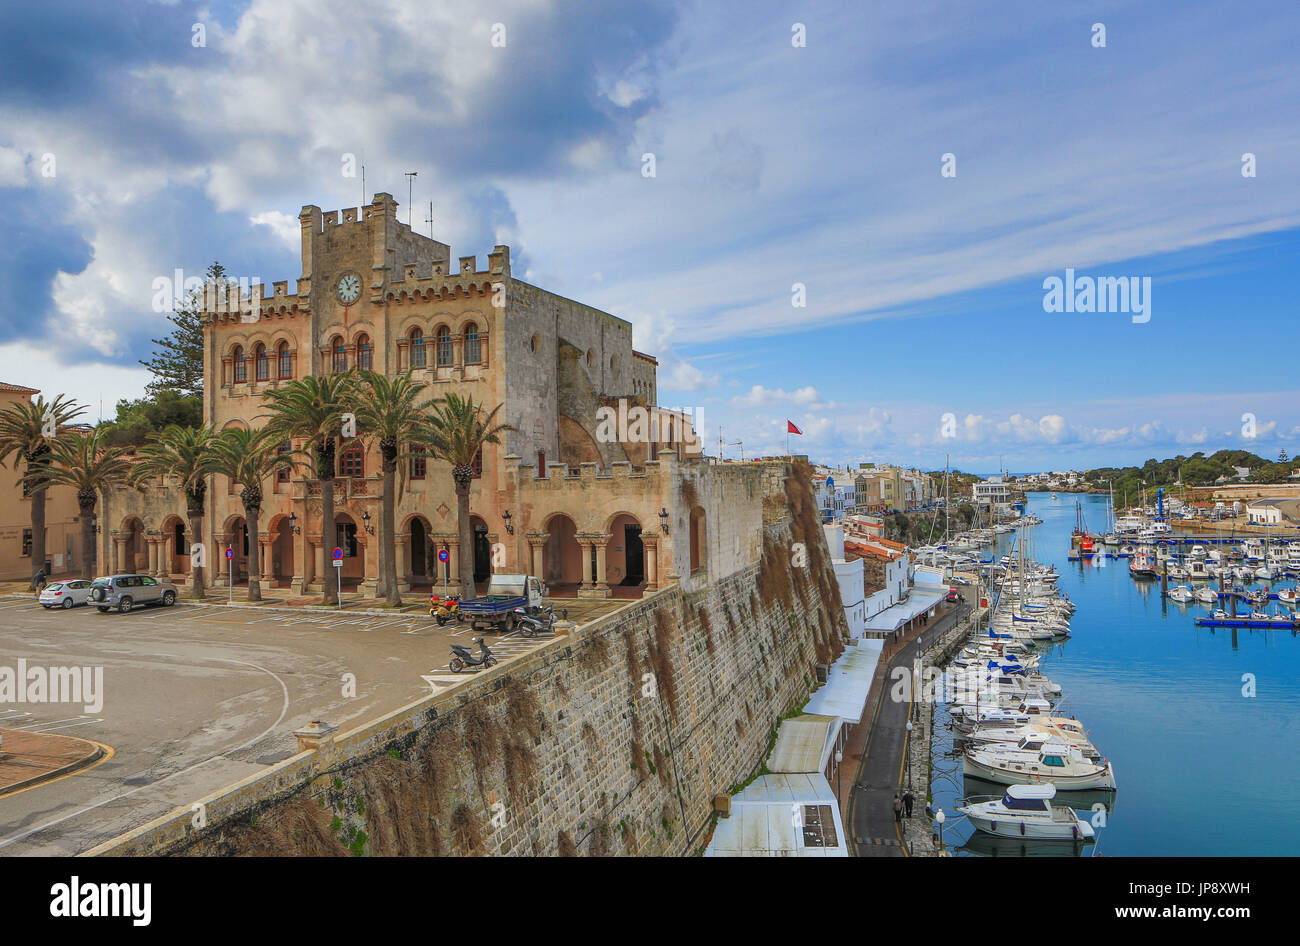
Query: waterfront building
column 593, row 515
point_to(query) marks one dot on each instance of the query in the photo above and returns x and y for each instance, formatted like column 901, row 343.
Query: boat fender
column 994, row 825
column 1074, row 830
column 1022, row 827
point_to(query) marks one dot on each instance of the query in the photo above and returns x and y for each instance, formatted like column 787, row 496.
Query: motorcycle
column 462, row 658
column 530, row 625
column 444, row 609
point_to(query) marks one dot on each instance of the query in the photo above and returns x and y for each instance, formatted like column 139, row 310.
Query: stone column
column 453, row 566
column 650, row 543
column 301, row 560
column 602, row 571
column 119, row 553
column 537, row 552
column 588, row 583
column 265, row 544
column 401, row 543
column 152, row 567
column 318, row 561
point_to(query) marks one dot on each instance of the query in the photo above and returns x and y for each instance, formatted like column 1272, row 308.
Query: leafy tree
column 392, row 411
column 311, row 409
column 23, row 429
column 250, row 458
column 86, row 462
column 181, row 453
column 177, row 362
column 139, row 419
column 457, row 433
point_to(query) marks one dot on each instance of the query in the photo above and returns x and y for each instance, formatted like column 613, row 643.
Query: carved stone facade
column 556, row 498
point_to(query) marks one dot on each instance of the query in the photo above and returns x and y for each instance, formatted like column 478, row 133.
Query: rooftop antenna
column 363, row 185
column 410, row 194
column 429, row 220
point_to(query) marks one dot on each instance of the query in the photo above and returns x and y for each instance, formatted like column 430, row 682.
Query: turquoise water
column 1202, row 769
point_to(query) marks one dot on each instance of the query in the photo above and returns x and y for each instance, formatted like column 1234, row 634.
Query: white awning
column 763, row 820
column 803, row 744
column 891, row 619
column 848, row 682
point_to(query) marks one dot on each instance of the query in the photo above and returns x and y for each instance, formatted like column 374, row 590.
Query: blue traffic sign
column 230, row 553
column 444, row 555
column 338, row 553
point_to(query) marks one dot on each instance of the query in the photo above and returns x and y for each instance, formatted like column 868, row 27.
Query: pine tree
column 177, row 363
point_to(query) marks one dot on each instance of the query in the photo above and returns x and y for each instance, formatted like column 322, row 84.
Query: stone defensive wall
column 613, row 739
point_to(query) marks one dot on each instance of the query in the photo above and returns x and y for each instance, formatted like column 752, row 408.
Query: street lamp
column 510, row 529
column 365, row 521
column 940, row 819
column 663, row 520
column 293, row 523
column 908, row 750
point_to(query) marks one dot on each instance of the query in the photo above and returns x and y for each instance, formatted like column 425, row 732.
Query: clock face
column 349, row 288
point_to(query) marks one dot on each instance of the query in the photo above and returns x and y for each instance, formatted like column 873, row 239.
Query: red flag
column 790, row 428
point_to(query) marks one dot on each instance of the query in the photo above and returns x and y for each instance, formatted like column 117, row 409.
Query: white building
column 850, row 576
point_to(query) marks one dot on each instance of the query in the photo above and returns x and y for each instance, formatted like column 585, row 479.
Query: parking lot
column 197, row 697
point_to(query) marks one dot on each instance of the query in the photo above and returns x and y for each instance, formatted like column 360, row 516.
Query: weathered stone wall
column 610, row 741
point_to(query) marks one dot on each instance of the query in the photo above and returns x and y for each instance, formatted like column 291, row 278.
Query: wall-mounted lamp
column 365, row 521
column 510, row 529
column 663, row 520
column 293, row 523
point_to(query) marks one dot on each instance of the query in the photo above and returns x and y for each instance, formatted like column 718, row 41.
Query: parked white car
column 65, row 594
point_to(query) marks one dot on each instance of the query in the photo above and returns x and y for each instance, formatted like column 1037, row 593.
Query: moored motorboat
column 1026, row 811
column 1064, row 766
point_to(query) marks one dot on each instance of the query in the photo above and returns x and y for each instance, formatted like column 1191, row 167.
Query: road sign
column 338, row 554
column 444, row 556
column 338, row 563
column 230, row 553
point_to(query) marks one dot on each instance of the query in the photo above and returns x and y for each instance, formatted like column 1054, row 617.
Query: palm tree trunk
column 254, row 553
column 466, row 558
column 38, row 534
column 327, row 538
column 197, row 588
column 388, row 543
column 87, row 511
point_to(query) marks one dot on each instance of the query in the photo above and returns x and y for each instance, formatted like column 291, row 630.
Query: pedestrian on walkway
column 908, row 800
column 38, row 580
column 898, row 809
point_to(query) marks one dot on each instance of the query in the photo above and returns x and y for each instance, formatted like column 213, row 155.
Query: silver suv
column 126, row 591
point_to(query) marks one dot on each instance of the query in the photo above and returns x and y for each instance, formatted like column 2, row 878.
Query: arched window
column 352, row 461
column 444, row 347
column 261, row 364
column 473, row 350
column 286, row 361
column 339, row 361
column 241, row 368
column 364, row 359
column 417, row 348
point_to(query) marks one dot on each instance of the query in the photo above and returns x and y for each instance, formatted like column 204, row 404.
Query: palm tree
column 312, row 408
column 88, row 463
column 181, row 452
column 391, row 411
column 23, row 429
column 457, row 433
column 250, row 458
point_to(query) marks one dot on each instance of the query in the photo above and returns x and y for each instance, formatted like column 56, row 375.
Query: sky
column 852, row 219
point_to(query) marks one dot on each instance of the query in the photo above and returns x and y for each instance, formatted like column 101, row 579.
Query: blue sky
column 775, row 164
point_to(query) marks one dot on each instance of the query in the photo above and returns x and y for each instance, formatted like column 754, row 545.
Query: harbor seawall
column 611, row 740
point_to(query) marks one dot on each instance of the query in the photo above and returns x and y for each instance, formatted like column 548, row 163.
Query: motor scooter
column 540, row 622
column 461, row 657
column 444, row 609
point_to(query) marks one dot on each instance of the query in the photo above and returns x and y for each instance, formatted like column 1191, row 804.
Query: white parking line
column 84, row 722
column 39, row 727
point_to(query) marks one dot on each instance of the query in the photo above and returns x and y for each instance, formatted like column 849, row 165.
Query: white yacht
column 1180, row 593
column 1064, row 766
column 1026, row 811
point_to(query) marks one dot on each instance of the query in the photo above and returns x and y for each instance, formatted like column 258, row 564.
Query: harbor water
column 1201, row 725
